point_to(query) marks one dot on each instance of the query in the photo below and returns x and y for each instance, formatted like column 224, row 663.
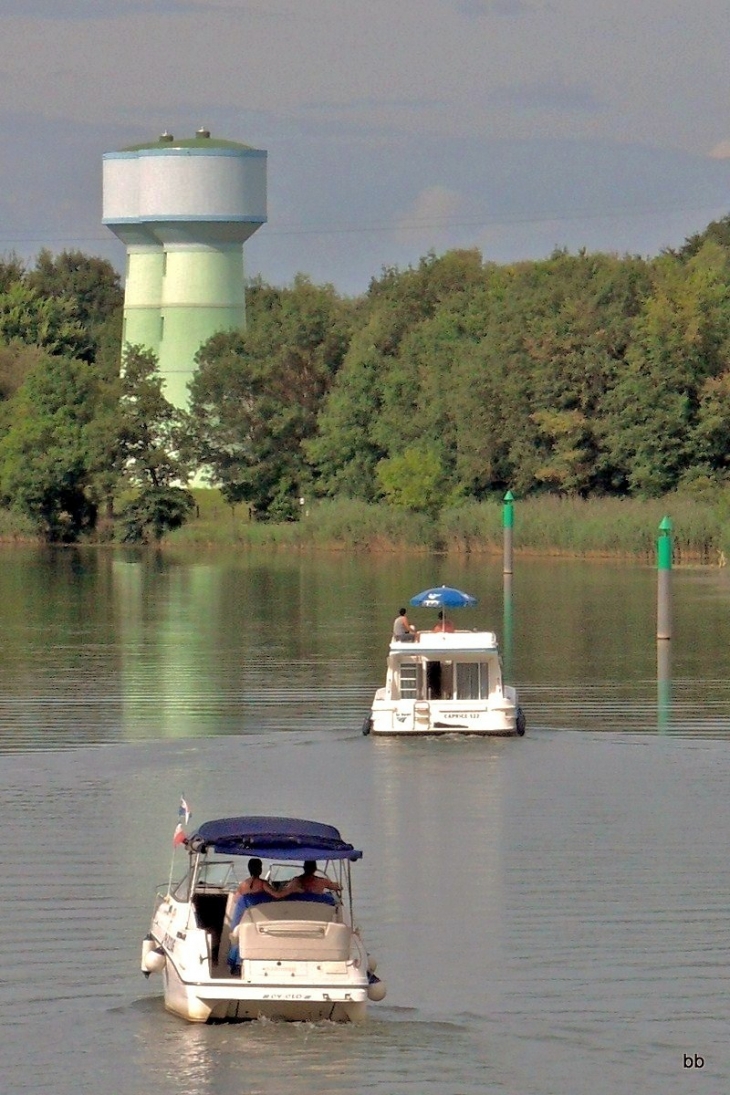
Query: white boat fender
column 153, row 957
column 372, row 964
column 376, row 988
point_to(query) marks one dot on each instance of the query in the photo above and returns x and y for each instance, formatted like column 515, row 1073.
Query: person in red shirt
column 444, row 624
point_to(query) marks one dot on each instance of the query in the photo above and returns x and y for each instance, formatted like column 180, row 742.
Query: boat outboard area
column 287, row 950
column 444, row 680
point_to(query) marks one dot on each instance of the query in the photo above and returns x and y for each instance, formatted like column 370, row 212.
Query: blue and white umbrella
column 443, row 597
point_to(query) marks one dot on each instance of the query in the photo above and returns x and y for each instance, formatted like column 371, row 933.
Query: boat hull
column 229, row 1000
column 434, row 732
column 403, row 719
column 286, row 982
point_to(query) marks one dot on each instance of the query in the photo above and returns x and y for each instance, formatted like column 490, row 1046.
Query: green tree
column 569, row 461
column 710, row 436
column 256, row 394
column 414, row 479
column 90, row 284
column 527, row 397
column 393, row 389
column 26, row 316
column 680, row 340
column 145, row 451
column 154, row 512
column 16, row 362
column 576, row 337
column 44, row 453
column 343, row 453
column 12, row 270
column 717, row 232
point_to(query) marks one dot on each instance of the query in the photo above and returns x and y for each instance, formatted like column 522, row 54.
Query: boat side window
column 181, row 890
column 408, row 680
column 472, row 680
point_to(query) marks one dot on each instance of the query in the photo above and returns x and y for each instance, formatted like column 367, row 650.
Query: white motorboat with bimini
column 444, row 680
column 224, row 954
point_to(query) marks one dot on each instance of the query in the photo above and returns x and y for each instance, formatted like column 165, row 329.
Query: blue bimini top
column 272, row 838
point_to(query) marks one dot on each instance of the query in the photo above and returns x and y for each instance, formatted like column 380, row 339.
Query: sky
column 393, row 127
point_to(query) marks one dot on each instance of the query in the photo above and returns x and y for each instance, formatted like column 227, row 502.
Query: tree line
column 86, row 449
column 588, row 375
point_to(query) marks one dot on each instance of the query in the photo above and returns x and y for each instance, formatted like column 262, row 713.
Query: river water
column 550, row 913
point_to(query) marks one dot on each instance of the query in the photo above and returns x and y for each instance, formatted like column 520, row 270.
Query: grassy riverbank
column 16, row 529
column 543, row 525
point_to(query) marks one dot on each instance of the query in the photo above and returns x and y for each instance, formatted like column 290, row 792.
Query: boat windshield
column 208, row 874
column 278, row 874
column 216, row 874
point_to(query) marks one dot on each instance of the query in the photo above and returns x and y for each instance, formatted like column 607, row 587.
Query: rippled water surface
column 550, row 914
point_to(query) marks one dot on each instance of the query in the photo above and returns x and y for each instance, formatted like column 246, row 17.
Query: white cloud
column 427, row 222
column 617, row 71
column 83, row 10
column 552, row 94
column 721, row 151
column 478, row 8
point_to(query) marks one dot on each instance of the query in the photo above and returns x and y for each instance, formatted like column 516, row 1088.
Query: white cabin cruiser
column 223, row 955
column 445, row 682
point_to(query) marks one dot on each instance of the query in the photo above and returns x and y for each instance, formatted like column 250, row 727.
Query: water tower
column 183, row 209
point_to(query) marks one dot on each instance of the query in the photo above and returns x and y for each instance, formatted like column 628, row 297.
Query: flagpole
column 172, row 864
column 184, row 816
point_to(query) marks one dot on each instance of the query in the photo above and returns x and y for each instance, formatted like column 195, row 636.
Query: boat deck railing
column 460, row 640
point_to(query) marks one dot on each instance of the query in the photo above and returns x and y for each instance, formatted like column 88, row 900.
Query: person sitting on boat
column 253, row 891
column 403, row 630
column 311, row 882
column 444, row 624
column 255, row 884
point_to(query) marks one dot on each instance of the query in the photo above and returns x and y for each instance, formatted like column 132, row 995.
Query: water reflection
column 389, row 1053
column 169, row 665
column 548, row 912
column 664, row 684
column 507, row 626
column 443, row 847
column 102, row 646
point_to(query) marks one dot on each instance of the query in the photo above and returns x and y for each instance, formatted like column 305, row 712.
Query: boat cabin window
column 472, row 680
column 442, row 680
column 409, row 680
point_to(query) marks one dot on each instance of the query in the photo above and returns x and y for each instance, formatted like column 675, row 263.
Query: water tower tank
column 183, row 209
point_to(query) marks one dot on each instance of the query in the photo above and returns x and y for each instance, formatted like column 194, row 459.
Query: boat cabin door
column 439, row 680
